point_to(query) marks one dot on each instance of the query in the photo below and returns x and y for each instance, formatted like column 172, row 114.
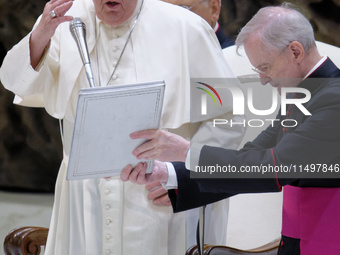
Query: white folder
column 105, row 117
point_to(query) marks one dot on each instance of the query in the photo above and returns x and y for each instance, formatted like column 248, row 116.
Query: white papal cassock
column 100, row 216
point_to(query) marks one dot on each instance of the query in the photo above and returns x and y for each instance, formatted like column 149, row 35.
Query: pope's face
column 114, row 12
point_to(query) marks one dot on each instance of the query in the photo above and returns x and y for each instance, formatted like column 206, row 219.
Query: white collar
column 322, row 60
column 129, row 22
column 216, row 27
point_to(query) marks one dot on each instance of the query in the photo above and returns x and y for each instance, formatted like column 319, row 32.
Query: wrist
column 165, row 172
column 37, row 46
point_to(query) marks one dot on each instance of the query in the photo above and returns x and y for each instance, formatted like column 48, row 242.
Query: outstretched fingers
column 135, row 175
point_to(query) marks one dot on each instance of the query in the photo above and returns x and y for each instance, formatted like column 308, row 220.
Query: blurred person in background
column 209, row 10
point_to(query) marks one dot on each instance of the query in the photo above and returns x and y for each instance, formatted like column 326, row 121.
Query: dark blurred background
column 30, row 144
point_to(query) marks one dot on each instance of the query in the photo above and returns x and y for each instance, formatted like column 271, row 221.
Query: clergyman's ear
column 215, row 6
column 297, row 50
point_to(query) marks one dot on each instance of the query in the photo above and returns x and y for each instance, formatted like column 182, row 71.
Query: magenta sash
column 312, row 215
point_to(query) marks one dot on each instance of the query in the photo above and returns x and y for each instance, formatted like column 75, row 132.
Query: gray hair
column 277, row 27
column 208, row 1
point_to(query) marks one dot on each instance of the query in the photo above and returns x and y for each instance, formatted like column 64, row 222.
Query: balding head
column 277, row 27
column 207, row 9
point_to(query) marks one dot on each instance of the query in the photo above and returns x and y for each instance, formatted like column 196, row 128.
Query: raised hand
column 52, row 16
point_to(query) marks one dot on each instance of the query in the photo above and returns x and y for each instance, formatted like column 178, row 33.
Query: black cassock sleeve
column 189, row 194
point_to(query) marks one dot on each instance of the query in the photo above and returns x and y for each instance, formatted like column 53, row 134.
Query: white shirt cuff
column 190, row 163
column 172, row 178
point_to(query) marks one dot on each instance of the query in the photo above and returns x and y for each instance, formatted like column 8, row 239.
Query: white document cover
column 106, row 116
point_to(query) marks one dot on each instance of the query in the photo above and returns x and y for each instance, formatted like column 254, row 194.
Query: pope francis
column 140, row 41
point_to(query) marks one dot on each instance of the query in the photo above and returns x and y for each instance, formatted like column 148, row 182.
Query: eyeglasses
column 266, row 69
column 192, row 6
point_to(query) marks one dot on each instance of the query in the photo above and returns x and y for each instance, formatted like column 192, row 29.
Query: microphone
column 78, row 31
